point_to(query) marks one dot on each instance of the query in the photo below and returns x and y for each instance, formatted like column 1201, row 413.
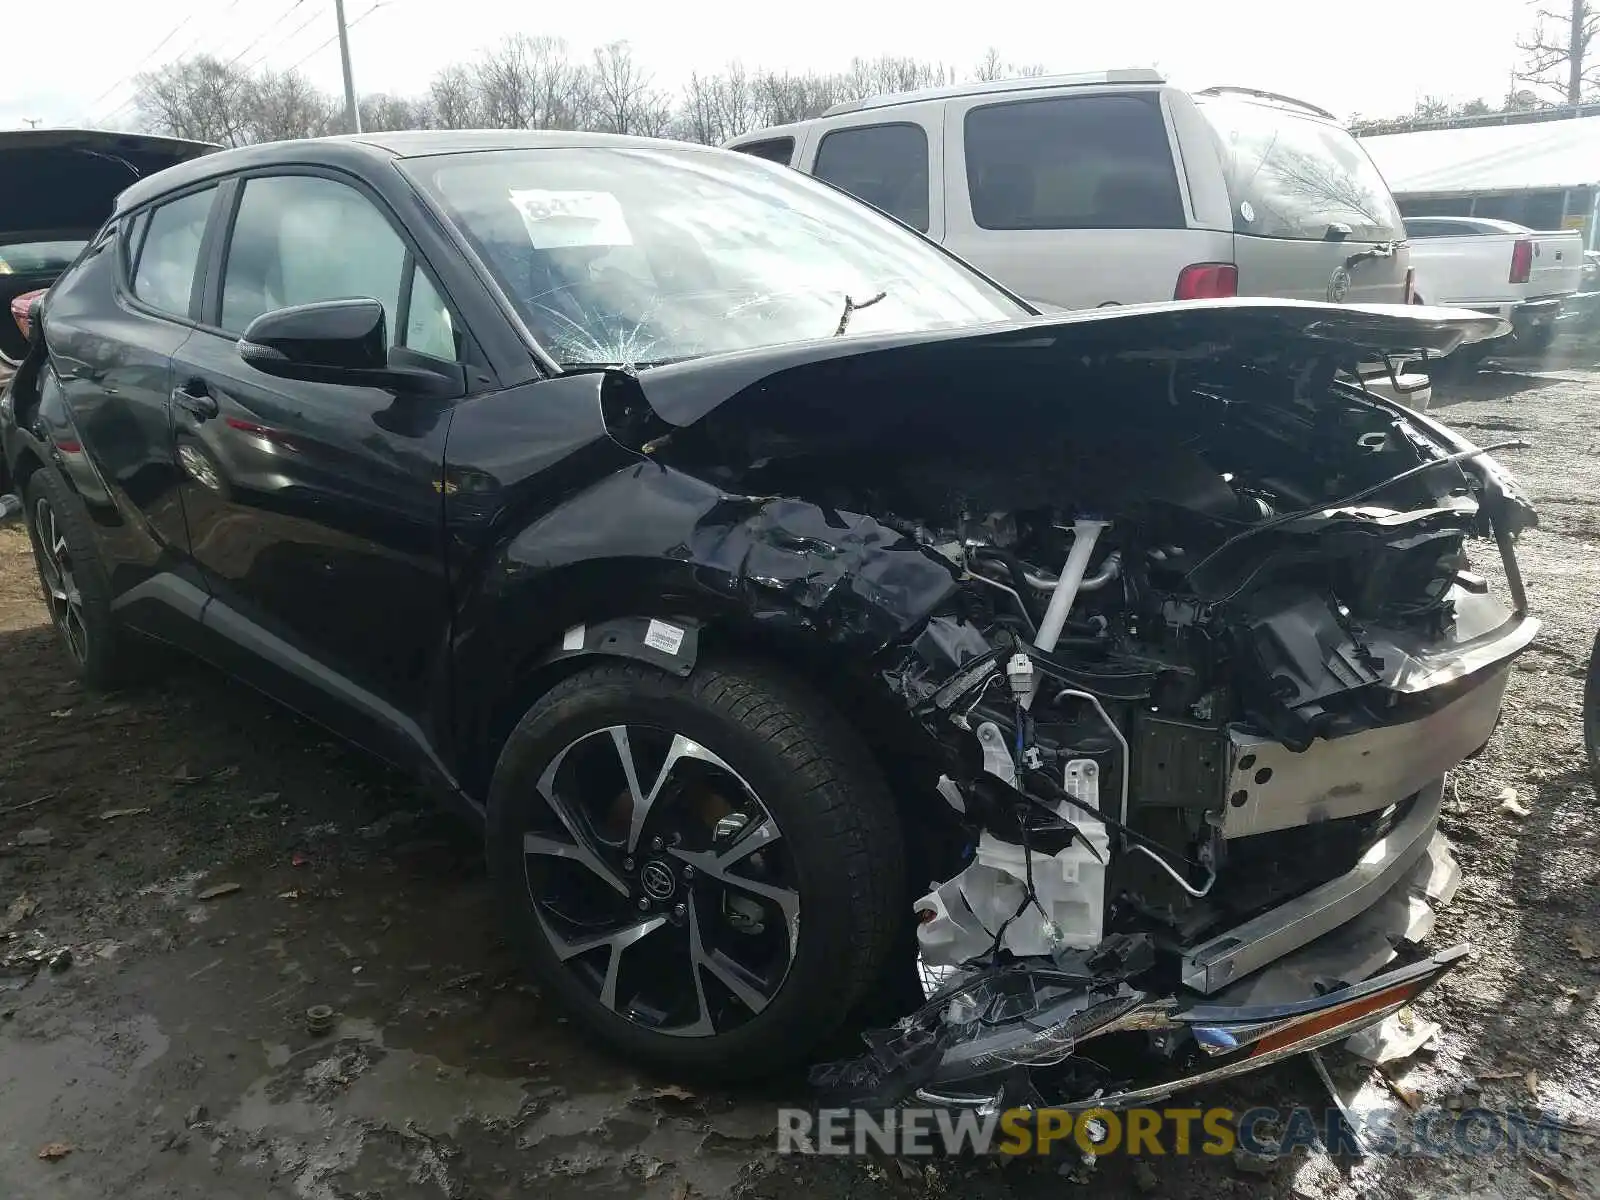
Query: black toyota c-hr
column 741, row 561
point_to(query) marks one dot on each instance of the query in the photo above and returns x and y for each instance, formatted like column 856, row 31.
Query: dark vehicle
column 741, row 562
column 60, row 186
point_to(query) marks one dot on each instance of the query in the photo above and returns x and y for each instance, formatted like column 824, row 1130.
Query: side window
column 778, row 150
column 163, row 275
column 885, row 165
column 298, row 239
column 1084, row 162
column 429, row 329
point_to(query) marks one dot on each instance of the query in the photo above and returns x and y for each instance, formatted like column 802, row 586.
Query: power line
column 171, row 33
column 188, row 48
column 266, row 51
column 252, row 42
column 335, row 37
column 133, row 99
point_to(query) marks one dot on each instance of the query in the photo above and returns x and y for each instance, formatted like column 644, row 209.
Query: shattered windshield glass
column 635, row 257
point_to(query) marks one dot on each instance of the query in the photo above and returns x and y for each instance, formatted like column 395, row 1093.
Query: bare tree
column 453, row 99
column 523, row 82
column 529, row 83
column 1558, row 52
column 286, row 105
column 781, row 99
column 992, row 67
column 381, row 111
column 199, row 98
column 621, row 93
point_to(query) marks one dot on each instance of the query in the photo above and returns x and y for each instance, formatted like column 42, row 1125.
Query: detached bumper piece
column 1035, row 1062
column 1094, row 1028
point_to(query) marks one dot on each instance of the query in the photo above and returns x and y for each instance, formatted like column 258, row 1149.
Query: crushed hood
column 64, row 182
column 1285, row 333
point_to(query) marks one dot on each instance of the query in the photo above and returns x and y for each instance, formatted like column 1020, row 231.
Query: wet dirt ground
column 185, row 869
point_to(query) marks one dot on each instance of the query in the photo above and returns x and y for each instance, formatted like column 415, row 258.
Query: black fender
column 670, row 643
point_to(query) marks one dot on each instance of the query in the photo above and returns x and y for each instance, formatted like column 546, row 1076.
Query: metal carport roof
column 1490, row 158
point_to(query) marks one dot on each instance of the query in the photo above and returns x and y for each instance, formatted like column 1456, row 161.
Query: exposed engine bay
column 1210, row 656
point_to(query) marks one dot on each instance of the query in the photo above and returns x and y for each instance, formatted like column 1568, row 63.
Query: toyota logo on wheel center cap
column 657, row 879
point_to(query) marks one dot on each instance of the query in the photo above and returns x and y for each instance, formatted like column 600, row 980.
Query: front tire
column 708, row 872
column 76, row 590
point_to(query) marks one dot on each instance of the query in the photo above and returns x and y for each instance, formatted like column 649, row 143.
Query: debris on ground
column 116, row 814
column 1397, row 1036
column 1145, row 1177
column 671, row 1091
column 35, row 837
column 1510, row 804
column 53, row 1151
column 19, row 910
column 1582, row 944
column 1252, row 1163
column 319, row 1019
column 221, row 889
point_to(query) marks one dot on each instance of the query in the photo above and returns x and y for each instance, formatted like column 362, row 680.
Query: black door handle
column 193, row 397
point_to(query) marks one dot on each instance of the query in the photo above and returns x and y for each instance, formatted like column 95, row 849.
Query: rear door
column 1076, row 199
column 314, row 509
column 1312, row 217
column 115, row 321
column 891, row 158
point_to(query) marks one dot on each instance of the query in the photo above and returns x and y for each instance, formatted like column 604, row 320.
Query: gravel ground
column 213, row 866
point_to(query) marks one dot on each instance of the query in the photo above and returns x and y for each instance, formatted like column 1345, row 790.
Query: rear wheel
column 708, row 870
column 76, row 590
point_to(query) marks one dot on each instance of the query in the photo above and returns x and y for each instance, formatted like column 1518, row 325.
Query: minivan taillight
column 21, row 306
column 1207, row 281
column 1521, row 260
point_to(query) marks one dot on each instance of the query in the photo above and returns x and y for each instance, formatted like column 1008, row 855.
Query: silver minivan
column 1118, row 188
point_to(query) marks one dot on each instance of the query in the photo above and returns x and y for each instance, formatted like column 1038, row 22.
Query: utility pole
column 352, row 114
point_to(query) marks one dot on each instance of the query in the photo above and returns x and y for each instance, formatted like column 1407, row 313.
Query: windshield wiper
column 851, row 308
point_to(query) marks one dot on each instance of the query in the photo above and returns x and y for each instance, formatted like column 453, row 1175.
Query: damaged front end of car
column 1212, row 642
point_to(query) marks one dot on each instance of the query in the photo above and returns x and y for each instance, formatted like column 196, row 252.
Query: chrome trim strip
column 1214, row 964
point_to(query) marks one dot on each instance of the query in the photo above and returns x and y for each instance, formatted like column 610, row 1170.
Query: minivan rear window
column 1079, row 162
column 1298, row 177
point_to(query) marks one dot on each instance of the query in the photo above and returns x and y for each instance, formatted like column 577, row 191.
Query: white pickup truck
column 1497, row 267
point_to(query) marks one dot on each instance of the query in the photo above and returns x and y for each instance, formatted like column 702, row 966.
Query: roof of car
column 350, row 150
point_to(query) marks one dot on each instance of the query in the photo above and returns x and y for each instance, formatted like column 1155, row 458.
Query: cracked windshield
column 640, row 257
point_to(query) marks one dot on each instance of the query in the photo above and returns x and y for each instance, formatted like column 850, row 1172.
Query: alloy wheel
column 61, row 591
column 660, row 878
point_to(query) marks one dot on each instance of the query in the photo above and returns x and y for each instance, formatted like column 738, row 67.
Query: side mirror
column 344, row 342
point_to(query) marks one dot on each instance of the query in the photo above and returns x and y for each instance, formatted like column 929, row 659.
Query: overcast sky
column 1375, row 57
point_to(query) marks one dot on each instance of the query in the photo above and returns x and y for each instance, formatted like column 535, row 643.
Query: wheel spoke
column 615, row 942
column 582, row 848
column 732, row 976
column 713, row 865
column 643, row 801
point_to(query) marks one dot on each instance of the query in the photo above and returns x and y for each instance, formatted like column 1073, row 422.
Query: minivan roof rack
column 1260, row 95
column 985, row 87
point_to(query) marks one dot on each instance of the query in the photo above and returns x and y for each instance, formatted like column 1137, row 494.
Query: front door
column 314, row 509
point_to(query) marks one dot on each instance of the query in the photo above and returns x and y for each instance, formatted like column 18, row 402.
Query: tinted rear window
column 1295, row 177
column 778, row 150
column 26, row 257
column 1081, row 162
column 885, row 165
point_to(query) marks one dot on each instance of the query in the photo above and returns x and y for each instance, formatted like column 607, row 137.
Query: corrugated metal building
column 1544, row 175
